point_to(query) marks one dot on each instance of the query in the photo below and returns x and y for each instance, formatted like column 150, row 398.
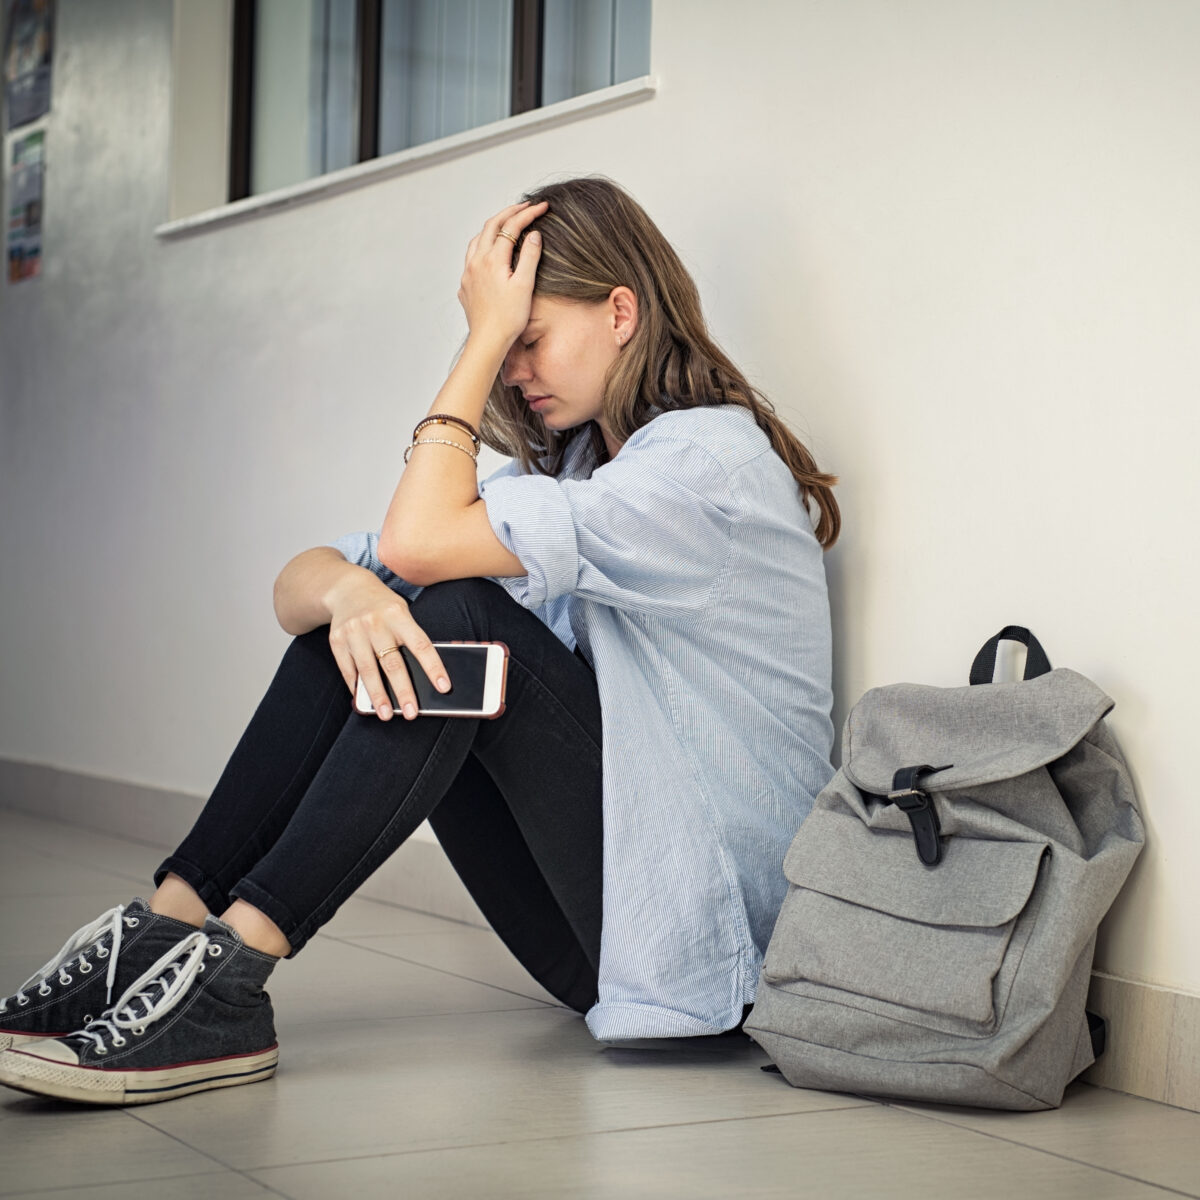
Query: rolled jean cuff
column 215, row 900
column 251, row 893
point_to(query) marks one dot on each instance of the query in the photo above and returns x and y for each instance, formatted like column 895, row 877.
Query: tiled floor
column 418, row 1060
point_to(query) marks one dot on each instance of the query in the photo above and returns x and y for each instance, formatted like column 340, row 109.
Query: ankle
column 256, row 929
column 177, row 899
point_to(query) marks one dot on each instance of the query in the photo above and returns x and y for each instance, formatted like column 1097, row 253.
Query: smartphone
column 478, row 674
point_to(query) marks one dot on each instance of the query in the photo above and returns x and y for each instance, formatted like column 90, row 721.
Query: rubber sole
column 26, row 1072
column 8, row 1040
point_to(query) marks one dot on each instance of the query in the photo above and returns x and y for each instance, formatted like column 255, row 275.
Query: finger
column 402, row 688
column 367, row 668
column 345, row 662
column 527, row 265
column 419, row 645
column 515, row 226
column 471, row 245
column 519, row 223
column 493, row 223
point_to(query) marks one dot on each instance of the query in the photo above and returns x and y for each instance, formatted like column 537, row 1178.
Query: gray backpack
column 936, row 939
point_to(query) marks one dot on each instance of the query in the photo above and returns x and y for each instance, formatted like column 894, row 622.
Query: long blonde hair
column 596, row 237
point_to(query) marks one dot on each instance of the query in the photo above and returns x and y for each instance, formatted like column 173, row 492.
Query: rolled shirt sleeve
column 650, row 531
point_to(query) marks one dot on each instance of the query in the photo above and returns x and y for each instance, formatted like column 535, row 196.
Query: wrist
column 488, row 346
column 345, row 579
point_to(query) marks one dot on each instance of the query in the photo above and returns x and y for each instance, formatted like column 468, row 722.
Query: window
column 323, row 84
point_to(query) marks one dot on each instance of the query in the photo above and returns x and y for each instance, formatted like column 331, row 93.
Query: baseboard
column 417, row 876
column 1153, row 1032
column 1153, row 1039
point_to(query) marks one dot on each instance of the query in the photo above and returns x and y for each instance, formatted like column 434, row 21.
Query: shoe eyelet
column 24, row 1000
column 133, row 922
column 101, row 1050
column 214, row 951
column 102, row 951
column 138, row 1030
column 65, row 979
column 85, row 967
column 119, row 1041
column 200, row 969
column 88, row 1018
column 45, row 989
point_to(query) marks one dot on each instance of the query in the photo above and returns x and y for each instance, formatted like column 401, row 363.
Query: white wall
column 954, row 239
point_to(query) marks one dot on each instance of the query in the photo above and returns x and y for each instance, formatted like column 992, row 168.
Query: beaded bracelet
column 438, row 442
column 449, row 419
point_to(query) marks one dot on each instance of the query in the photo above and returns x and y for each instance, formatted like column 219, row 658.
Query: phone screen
column 465, row 666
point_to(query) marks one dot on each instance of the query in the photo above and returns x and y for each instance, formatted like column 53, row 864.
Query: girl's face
column 561, row 359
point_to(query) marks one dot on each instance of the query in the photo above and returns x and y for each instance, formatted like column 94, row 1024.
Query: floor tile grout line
column 80, row 861
column 428, row 933
column 453, row 974
column 116, row 1183
column 227, row 1167
column 136, row 1116
column 1082, row 1162
column 8, row 810
column 534, row 1006
column 559, row 1137
column 270, row 1188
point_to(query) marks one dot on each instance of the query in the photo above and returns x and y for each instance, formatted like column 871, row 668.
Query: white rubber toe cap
column 50, row 1049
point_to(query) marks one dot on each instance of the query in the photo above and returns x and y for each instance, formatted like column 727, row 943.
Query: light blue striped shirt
column 687, row 572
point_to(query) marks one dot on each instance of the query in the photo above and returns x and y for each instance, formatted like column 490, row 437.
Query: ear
column 624, row 306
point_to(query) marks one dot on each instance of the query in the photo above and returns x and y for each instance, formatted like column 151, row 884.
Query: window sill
column 414, row 158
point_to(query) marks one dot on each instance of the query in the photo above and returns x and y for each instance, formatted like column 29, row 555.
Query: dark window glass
column 323, row 84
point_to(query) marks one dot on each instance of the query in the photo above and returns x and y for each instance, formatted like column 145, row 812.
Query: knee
column 312, row 646
column 311, row 654
column 459, row 609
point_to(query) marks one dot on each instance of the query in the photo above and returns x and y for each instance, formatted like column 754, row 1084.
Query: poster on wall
column 28, row 52
column 25, row 207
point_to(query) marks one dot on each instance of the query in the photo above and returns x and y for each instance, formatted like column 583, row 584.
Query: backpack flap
column 986, row 733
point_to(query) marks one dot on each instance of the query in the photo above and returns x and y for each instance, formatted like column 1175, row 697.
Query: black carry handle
column 1036, row 662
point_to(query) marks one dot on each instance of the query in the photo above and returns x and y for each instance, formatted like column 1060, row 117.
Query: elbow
column 277, row 599
column 408, row 555
column 284, row 608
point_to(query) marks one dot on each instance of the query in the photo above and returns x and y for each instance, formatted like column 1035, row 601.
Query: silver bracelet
column 438, row 442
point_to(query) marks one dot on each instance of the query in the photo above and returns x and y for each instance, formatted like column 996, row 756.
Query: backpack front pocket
column 865, row 916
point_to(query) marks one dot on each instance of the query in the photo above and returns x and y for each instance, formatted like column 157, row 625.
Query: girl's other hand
column 495, row 297
column 368, row 625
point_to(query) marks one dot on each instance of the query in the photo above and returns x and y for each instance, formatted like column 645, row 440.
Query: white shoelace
column 159, row 990
column 78, row 943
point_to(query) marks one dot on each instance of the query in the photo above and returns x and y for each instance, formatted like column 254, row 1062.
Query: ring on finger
column 386, row 651
column 505, row 234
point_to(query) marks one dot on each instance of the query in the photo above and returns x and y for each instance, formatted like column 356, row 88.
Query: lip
column 537, row 403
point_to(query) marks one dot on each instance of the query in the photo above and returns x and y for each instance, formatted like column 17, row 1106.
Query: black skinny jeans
column 316, row 797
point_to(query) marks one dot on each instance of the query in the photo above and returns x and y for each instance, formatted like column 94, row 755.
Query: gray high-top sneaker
column 96, row 964
column 197, row 1019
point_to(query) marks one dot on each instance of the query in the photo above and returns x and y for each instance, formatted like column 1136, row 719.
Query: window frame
column 526, row 93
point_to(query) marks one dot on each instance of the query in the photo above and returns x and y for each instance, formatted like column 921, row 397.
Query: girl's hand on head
column 368, row 625
column 495, row 297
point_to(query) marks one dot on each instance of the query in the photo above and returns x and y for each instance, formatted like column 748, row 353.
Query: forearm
column 436, row 526
column 439, row 484
column 306, row 588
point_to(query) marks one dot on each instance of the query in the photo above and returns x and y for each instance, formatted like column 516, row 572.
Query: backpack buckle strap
column 917, row 805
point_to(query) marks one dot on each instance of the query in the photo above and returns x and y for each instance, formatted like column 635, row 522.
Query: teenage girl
column 652, row 557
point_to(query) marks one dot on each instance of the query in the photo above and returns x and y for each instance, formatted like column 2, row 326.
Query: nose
column 515, row 368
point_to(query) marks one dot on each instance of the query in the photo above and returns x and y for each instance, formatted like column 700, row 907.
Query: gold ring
column 505, row 233
column 389, row 650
